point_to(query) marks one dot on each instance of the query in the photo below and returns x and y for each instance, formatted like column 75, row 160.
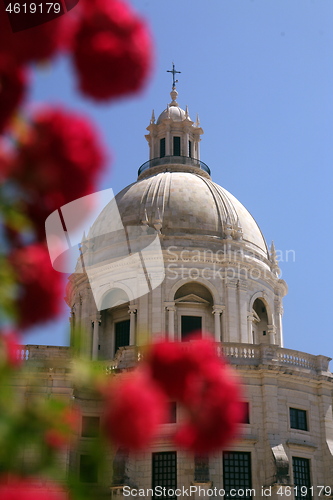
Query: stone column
column 271, row 329
column 217, row 311
column 132, row 311
column 250, row 319
column 171, row 308
column 96, row 321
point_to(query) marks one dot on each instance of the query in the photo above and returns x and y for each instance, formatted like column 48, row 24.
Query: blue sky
column 260, row 75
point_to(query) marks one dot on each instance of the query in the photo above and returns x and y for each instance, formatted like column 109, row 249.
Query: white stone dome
column 175, row 113
column 186, row 204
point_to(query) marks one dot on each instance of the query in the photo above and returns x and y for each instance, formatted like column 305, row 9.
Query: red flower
column 194, row 375
column 215, row 416
column 13, row 81
column 34, row 44
column 41, row 286
column 112, row 50
column 178, row 367
column 60, row 157
column 17, row 488
column 9, row 349
column 134, row 409
column 58, row 161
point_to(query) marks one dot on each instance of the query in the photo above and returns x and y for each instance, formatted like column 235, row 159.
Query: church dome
column 186, row 204
column 175, row 113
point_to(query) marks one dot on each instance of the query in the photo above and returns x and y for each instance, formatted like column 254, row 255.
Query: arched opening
column 115, row 323
column 193, row 303
column 260, row 322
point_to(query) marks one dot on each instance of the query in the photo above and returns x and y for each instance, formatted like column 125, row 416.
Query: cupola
column 174, row 140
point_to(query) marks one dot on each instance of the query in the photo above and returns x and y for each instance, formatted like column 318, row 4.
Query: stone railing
column 43, row 352
column 236, row 353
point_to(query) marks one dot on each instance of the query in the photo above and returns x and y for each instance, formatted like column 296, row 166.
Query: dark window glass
column 122, row 332
column 88, row 469
column 237, row 474
column 298, row 419
column 190, row 148
column 246, row 413
column 201, row 468
column 162, row 147
column 176, row 146
column 164, row 467
column 190, row 324
column 90, row 427
column 301, row 470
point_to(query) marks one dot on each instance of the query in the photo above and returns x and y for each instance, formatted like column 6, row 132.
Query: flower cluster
column 114, row 45
column 190, row 373
column 109, row 44
column 16, row 488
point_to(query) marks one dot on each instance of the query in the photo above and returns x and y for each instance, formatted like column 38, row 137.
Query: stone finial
column 186, row 112
column 197, row 121
column 174, row 95
column 152, row 119
column 274, row 261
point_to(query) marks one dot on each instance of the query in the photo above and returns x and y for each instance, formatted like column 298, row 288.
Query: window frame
column 174, row 145
column 244, row 486
column 162, row 147
column 155, row 482
column 127, row 321
column 298, row 411
column 94, row 472
column 308, row 485
column 98, row 427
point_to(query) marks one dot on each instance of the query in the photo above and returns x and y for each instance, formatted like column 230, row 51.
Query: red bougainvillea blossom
column 194, row 375
column 112, row 50
column 17, row 488
column 58, row 160
column 134, row 408
column 60, row 157
column 41, row 287
column 9, row 348
column 13, row 81
column 36, row 43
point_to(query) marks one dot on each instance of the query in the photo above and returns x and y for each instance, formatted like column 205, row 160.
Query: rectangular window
column 246, row 412
column 301, row 470
column 190, row 149
column 90, row 427
column 88, row 469
column 190, row 325
column 298, row 419
column 122, row 333
column 237, row 475
column 164, row 468
column 162, row 147
column 176, row 146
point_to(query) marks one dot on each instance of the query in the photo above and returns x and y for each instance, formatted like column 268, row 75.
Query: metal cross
column 173, row 71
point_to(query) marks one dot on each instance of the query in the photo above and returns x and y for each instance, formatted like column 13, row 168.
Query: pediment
column 192, row 298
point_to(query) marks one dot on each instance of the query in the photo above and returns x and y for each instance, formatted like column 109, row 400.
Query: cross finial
column 173, row 71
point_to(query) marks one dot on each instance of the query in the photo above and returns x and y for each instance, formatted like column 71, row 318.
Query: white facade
column 220, row 276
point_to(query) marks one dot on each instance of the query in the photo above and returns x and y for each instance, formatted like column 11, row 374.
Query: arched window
column 115, row 323
column 193, row 310
column 260, row 323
